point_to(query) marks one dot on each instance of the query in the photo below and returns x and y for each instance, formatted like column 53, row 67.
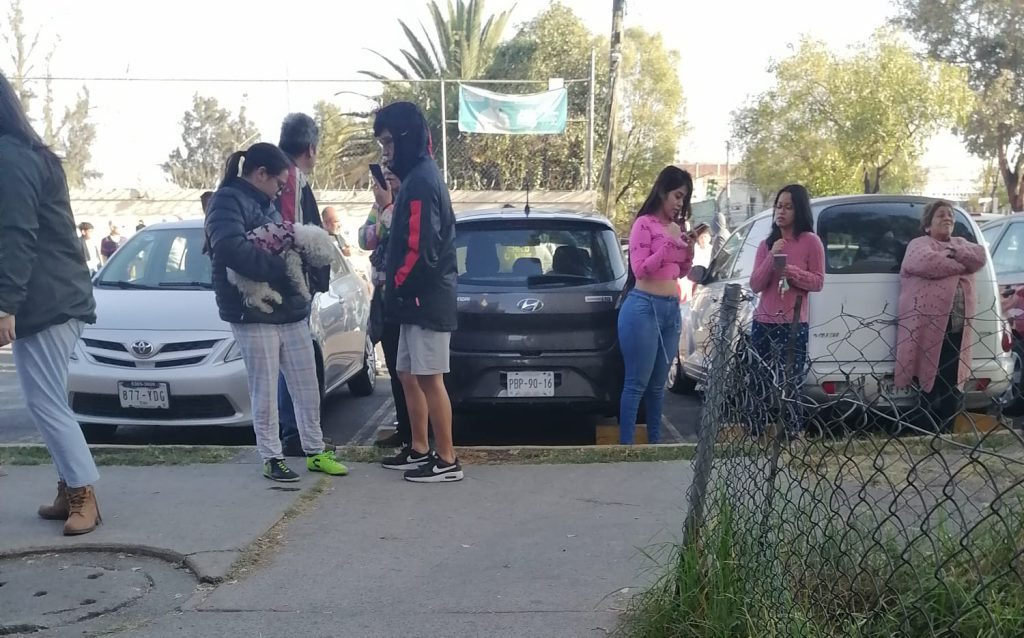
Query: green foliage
column 73, row 136
column 346, row 149
column 985, row 37
column 849, row 124
column 209, row 135
column 554, row 44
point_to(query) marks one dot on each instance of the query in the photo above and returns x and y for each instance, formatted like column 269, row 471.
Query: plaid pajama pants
column 269, row 350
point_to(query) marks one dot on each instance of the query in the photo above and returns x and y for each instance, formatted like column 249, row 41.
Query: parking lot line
column 366, row 433
column 665, row 423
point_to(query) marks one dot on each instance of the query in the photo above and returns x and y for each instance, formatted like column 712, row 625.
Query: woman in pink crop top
column 649, row 325
column 792, row 237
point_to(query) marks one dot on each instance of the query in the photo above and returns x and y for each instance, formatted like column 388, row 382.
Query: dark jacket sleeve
column 420, row 240
column 319, row 278
column 20, row 185
column 226, row 230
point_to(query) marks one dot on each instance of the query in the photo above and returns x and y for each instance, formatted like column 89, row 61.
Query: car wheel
column 1012, row 401
column 678, row 382
column 98, row 433
column 365, row 382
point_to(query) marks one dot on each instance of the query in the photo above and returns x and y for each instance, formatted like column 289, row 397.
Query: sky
column 725, row 48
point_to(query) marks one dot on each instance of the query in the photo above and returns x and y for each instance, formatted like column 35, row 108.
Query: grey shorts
column 421, row 351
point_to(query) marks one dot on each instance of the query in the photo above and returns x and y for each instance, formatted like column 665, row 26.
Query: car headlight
column 234, row 353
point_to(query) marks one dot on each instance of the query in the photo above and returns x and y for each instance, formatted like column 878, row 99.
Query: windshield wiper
column 125, row 285
column 186, row 284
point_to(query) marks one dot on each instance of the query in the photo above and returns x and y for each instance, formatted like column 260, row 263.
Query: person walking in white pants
column 45, row 299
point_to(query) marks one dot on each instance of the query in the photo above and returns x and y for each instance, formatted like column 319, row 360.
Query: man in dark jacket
column 45, row 301
column 419, row 290
column 300, row 137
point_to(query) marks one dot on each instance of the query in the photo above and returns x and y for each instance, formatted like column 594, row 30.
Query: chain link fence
column 827, row 501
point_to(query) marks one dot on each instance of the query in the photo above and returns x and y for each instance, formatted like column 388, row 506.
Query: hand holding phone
column 779, row 262
column 378, row 175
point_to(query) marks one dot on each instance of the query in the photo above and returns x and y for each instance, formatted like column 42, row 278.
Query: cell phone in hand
column 378, row 175
column 779, row 262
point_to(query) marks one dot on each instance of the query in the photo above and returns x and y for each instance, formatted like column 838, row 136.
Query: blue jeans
column 286, row 413
column 42, row 364
column 770, row 341
column 649, row 338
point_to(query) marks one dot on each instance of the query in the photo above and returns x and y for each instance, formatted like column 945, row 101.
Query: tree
column 73, row 137
column 985, row 37
column 841, row 125
column 209, row 135
column 346, row 149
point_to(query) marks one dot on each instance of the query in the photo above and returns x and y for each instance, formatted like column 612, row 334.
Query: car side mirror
column 697, row 274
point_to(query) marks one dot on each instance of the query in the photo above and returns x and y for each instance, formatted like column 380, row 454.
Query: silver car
column 864, row 238
column 159, row 353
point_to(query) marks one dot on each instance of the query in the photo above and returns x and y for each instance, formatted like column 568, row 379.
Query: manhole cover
column 43, row 592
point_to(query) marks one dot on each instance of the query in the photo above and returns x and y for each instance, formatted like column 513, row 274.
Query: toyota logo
column 529, row 305
column 142, row 349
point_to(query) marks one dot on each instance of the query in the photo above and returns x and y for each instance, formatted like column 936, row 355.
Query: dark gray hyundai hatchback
column 538, row 300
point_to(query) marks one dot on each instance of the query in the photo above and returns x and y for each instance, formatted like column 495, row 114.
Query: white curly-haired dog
column 298, row 244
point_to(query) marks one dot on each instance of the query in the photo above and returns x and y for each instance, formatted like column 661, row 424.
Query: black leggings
column 945, row 400
column 389, row 344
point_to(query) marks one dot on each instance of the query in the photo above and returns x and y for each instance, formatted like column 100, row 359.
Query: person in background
column 373, row 236
column 139, row 226
column 793, row 239
column 649, row 321
column 93, row 259
column 296, row 203
column 111, row 242
column 702, row 245
column 420, row 291
column 271, row 344
column 936, row 310
column 332, row 224
column 45, row 301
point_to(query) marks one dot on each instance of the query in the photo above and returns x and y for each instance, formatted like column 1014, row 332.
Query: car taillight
column 980, row 385
column 1007, row 339
column 829, row 387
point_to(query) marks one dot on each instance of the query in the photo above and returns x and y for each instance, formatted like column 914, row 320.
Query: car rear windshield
column 163, row 258
column 865, row 238
column 534, row 253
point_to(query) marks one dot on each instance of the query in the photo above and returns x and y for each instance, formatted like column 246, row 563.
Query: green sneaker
column 326, row 463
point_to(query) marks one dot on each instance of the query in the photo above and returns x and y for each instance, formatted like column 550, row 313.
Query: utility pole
column 589, row 181
column 728, row 147
column 607, row 183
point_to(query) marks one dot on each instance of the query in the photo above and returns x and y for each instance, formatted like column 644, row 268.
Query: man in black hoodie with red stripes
column 420, row 290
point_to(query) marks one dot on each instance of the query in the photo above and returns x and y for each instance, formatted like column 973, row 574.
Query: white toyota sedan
column 159, row 353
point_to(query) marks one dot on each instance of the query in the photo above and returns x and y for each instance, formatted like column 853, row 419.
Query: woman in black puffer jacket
column 269, row 342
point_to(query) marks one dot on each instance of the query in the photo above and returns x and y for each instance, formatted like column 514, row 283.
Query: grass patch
column 814, row 579
column 127, row 455
column 261, row 551
column 528, row 455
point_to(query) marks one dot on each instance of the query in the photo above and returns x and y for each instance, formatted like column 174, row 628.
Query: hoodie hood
column 408, row 127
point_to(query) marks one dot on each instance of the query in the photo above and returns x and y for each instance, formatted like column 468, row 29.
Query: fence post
column 444, row 136
column 715, row 391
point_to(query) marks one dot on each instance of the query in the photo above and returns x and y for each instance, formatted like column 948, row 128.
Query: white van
column 853, row 319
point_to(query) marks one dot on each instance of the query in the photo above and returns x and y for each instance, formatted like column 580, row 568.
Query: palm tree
column 462, row 45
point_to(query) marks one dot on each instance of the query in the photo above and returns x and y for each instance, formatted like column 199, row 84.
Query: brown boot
column 59, row 510
column 84, row 514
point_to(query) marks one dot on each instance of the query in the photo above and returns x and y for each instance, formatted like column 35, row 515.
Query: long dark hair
column 803, row 220
column 669, row 179
column 260, row 154
column 14, row 122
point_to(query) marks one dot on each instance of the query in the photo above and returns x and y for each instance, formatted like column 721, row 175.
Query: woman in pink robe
column 937, row 301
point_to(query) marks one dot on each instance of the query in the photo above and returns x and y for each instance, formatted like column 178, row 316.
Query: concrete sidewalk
column 514, row 550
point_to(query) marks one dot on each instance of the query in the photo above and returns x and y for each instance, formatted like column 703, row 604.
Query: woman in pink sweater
column 789, row 265
column 936, row 305
column 649, row 321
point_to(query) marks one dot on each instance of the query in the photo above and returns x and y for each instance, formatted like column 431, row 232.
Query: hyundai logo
column 529, row 305
column 142, row 349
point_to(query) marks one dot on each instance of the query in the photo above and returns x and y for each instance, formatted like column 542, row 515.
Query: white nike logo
column 441, row 470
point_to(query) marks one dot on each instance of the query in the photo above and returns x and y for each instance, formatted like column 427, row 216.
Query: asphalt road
column 349, row 420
